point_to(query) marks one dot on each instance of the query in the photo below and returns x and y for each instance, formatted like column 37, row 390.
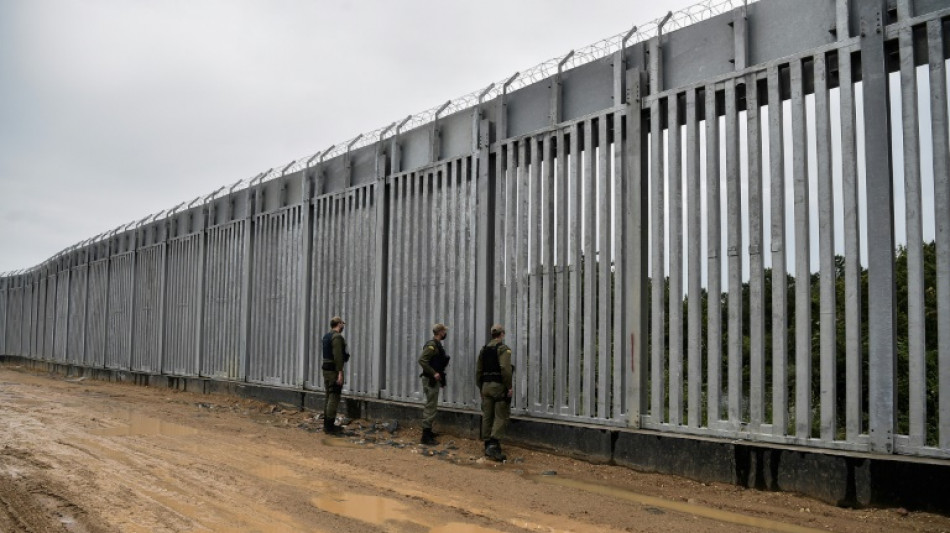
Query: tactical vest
column 439, row 361
column 328, row 346
column 491, row 368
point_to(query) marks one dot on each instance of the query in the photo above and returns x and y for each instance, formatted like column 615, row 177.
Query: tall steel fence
column 732, row 223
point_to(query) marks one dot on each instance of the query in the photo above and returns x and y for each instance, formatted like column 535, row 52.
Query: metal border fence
column 698, row 226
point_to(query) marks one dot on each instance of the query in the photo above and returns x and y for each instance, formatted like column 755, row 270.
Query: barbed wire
column 603, row 48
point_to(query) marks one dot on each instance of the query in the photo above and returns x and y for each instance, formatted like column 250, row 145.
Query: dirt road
column 87, row 456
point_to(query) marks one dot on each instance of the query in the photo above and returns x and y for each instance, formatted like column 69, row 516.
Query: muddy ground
column 85, row 456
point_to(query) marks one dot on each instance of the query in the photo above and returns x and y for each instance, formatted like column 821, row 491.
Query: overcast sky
column 111, row 110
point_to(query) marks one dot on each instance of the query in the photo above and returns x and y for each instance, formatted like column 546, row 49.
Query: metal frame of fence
column 630, row 216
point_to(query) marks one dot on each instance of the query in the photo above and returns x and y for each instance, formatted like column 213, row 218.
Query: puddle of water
column 375, row 510
column 143, row 425
column 683, row 507
column 458, row 527
column 337, row 442
column 378, row 511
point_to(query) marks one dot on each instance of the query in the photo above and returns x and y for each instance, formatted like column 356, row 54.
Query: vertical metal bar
column 454, row 244
column 694, row 230
column 247, row 276
column 740, row 38
column 317, row 285
column 905, row 9
column 511, row 233
column 355, row 264
column 803, row 414
column 413, row 285
column 658, row 236
column 162, row 273
column 636, row 211
column 467, row 342
column 575, row 302
column 620, row 280
column 756, row 258
column 488, row 260
column 852, row 244
column 916, row 331
column 523, row 271
column 714, row 269
column 734, row 244
column 397, row 253
column 548, row 274
column 470, row 345
column 534, row 310
column 440, row 283
column 371, row 295
column 675, row 154
column 559, row 273
column 500, row 182
column 842, row 20
column 133, row 263
column 382, row 275
column 826, row 254
column 590, row 271
column 941, row 167
column 305, row 280
column 880, row 201
column 604, row 277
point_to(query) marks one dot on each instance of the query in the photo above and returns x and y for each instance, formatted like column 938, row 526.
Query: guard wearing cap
column 493, row 377
column 433, row 362
column 334, row 357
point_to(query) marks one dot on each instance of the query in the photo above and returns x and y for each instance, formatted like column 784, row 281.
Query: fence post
column 880, row 202
column 306, row 281
column 635, row 248
column 485, row 233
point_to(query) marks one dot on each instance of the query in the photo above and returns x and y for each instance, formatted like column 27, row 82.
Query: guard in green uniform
column 433, row 362
column 493, row 377
column 334, row 357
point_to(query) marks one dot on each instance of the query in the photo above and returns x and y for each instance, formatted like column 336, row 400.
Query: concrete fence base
column 839, row 478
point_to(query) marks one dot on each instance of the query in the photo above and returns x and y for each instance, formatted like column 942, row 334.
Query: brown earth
column 87, row 456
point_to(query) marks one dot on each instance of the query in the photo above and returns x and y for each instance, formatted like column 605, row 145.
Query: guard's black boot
column 427, row 438
column 330, row 427
column 493, row 452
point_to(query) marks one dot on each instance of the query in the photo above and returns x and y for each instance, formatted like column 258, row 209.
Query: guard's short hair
column 336, row 321
column 497, row 330
column 439, row 328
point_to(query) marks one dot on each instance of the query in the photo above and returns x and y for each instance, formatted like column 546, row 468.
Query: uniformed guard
column 493, row 377
column 433, row 362
column 334, row 357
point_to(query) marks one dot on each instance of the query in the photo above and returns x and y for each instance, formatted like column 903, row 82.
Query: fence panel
column 78, row 306
column 182, row 297
column 274, row 357
column 556, row 212
column 60, row 333
column 15, row 319
column 343, row 262
column 733, row 120
column 97, row 324
column 222, row 326
column 148, row 315
column 118, row 332
column 431, row 244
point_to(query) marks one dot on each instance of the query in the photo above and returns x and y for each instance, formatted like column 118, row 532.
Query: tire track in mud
column 30, row 502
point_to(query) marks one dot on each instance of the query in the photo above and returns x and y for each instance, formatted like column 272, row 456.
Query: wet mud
column 102, row 457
